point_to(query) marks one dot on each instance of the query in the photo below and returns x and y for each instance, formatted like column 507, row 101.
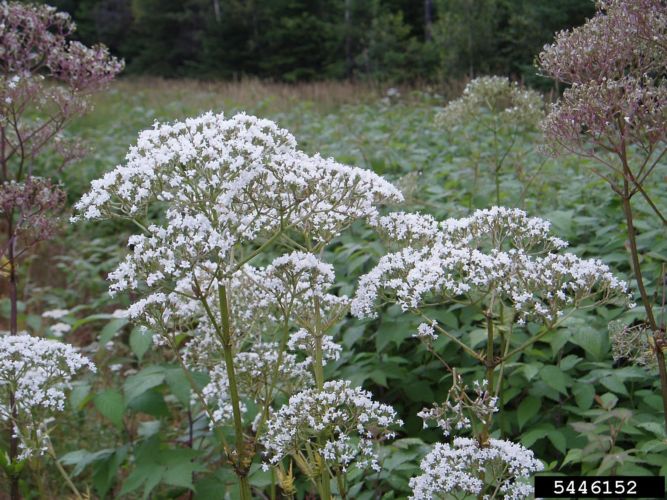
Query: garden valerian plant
column 504, row 115
column 510, row 267
column 45, row 80
column 237, row 191
column 614, row 113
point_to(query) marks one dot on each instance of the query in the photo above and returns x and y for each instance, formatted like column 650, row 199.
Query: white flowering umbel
column 229, row 190
column 37, row 372
column 452, row 470
column 511, row 268
column 497, row 252
column 495, row 111
column 341, row 423
column 256, row 371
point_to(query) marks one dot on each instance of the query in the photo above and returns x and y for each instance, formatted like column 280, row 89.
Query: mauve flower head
column 33, row 38
column 624, row 36
column 615, row 65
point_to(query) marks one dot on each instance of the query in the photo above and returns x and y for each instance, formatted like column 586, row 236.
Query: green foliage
column 131, row 434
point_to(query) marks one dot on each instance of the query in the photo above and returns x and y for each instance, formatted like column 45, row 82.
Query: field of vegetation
column 565, row 397
column 478, row 298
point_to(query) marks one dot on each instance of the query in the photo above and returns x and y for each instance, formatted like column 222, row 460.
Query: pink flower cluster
column 33, row 38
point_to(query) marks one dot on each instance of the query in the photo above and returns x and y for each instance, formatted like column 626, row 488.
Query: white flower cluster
column 263, row 301
column 303, row 340
column 498, row 251
column 455, row 469
column 55, row 313
column 254, row 371
column 454, row 413
column 426, row 331
column 499, row 227
column 340, row 422
column 38, row 372
column 498, row 97
column 295, row 286
column 226, row 184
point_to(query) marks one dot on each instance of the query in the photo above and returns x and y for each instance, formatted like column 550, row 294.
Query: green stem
column 274, row 379
column 341, row 486
column 325, row 483
column 226, row 338
column 63, row 472
column 451, row 337
column 318, row 364
column 646, row 301
column 490, row 367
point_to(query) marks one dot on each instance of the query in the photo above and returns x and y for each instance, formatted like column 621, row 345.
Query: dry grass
column 157, row 93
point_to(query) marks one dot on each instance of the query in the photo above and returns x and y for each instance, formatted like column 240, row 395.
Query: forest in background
column 397, row 41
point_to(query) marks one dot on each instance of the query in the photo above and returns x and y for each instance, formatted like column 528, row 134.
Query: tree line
column 296, row 40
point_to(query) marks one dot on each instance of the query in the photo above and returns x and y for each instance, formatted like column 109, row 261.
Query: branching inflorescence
column 512, row 268
column 233, row 190
column 34, row 374
column 614, row 112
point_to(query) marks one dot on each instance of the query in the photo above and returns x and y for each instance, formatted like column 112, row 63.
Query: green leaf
column 150, row 402
column 558, row 440
column 106, row 471
column 395, row 332
column 573, row 456
column 592, row 341
column 179, row 385
column 139, row 383
column 528, row 408
column 110, row 404
column 89, row 319
column 111, row 329
column 555, row 378
column 149, row 474
column 584, row 395
column 540, row 431
column 181, row 474
column 140, row 341
column 614, row 384
column 79, row 396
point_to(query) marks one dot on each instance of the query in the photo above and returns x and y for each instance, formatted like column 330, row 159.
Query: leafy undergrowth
column 131, row 430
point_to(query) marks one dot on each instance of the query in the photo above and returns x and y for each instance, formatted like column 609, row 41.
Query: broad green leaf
column 140, row 341
column 111, row 329
column 528, row 408
column 179, row 385
column 150, row 402
column 137, row 384
column 110, row 404
column 80, row 396
column 555, row 378
column 584, row 395
column 613, row 383
column 540, row 431
column 558, row 440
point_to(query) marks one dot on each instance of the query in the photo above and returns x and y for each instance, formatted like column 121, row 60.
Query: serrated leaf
column 110, row 404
